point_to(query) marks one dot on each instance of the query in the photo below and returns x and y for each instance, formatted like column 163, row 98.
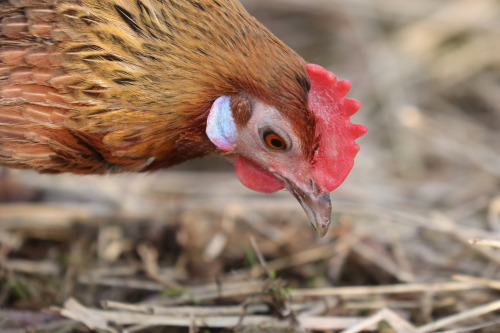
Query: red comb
column 334, row 158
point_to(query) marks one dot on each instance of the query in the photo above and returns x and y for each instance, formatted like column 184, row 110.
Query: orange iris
column 274, row 141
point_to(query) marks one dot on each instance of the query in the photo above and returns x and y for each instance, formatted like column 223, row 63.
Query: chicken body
column 96, row 86
column 105, row 86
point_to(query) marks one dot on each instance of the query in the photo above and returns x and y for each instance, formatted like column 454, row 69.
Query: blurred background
column 425, row 182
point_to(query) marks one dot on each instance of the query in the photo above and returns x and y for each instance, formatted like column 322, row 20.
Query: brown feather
column 95, row 86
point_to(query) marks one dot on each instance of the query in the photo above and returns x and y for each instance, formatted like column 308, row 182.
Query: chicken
column 109, row 86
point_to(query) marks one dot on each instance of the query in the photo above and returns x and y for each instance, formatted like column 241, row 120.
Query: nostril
column 315, row 187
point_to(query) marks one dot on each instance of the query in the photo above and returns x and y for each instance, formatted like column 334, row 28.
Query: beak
column 316, row 204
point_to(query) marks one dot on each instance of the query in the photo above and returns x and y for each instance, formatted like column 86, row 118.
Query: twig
column 215, row 247
column 122, row 283
column 234, row 289
column 99, row 319
column 186, row 310
column 386, row 289
column 472, row 313
column 260, row 256
column 397, row 323
column 60, row 325
column 78, row 312
column 485, row 242
column 45, row 267
column 473, row 328
column 379, row 304
column 493, row 284
column 150, row 258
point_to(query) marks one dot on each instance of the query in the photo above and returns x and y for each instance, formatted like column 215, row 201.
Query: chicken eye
column 274, row 141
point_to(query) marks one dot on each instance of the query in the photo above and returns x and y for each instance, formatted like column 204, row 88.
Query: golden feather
column 94, row 86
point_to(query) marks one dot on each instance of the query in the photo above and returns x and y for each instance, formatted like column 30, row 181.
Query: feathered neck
column 159, row 60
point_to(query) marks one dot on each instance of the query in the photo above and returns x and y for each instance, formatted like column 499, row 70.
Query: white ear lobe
column 221, row 129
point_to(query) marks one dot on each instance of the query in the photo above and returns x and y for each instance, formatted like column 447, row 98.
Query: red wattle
column 255, row 178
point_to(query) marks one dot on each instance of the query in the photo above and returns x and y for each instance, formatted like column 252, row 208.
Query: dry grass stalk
column 464, row 315
column 403, row 288
column 149, row 257
column 493, row 284
column 98, row 319
column 31, row 267
column 399, row 324
column 485, row 242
